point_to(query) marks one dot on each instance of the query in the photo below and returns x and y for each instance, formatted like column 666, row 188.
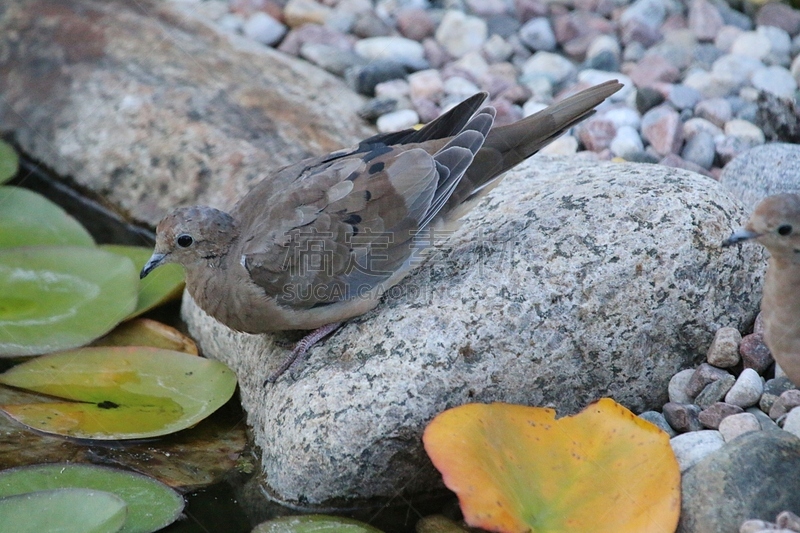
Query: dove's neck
column 780, row 307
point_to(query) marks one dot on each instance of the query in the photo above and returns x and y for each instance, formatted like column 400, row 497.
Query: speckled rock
column 724, row 351
column 763, row 171
column 691, row 448
column 752, row 477
column 679, row 386
column 558, row 241
column 165, row 133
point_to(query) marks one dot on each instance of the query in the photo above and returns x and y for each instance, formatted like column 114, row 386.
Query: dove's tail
column 507, row 146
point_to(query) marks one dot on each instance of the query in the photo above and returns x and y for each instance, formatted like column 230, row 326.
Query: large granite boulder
column 573, row 280
column 149, row 108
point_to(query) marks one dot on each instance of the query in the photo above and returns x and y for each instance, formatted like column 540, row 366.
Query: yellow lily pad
column 518, row 469
column 30, row 219
column 147, row 332
column 119, row 393
column 159, row 287
column 59, row 297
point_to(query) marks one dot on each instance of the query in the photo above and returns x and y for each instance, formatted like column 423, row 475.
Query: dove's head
column 775, row 223
column 192, row 237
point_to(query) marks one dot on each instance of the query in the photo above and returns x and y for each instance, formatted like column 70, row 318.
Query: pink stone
column 651, row 69
column 705, row 20
column 662, row 128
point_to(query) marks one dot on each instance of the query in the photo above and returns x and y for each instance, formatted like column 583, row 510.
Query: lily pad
column 160, row 286
column 119, row 393
column 30, row 219
column 314, row 523
column 518, row 469
column 146, row 332
column 9, row 162
column 64, row 511
column 151, row 505
column 59, row 297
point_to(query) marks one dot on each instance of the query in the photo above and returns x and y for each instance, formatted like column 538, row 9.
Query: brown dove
column 318, row 242
column 775, row 224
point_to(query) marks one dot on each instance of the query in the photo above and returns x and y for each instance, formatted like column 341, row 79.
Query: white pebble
column 734, row 425
column 263, row 28
column 792, row 422
column 744, row 130
column 397, row 120
column 747, row 389
column 626, row 142
column 459, row 33
column 776, row 80
column 695, row 125
column 426, row 84
column 396, row 48
column 460, row 87
column 554, row 67
column 691, row 448
column 564, row 145
column 677, row 386
column 751, row 44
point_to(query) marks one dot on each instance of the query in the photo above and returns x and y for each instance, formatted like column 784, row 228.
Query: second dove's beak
column 738, row 236
column 155, row 260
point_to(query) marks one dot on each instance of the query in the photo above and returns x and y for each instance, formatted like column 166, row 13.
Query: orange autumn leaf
column 518, row 469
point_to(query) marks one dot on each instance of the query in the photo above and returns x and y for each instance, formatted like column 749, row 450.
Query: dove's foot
column 300, row 349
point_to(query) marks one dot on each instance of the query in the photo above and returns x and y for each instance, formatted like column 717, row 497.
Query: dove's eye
column 786, row 229
column 184, row 241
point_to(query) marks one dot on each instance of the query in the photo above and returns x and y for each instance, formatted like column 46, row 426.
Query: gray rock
column 792, row 422
column 691, row 448
column 658, row 420
column 547, row 287
column 363, row 78
column 678, row 386
column 682, row 417
column 767, row 424
column 537, row 34
column 755, row 353
column 785, row 403
column 460, row 34
column 331, row 58
column 648, row 12
column 264, row 29
column 704, row 375
column 763, row 171
column 701, row 150
column 194, row 122
column 752, row 477
column 714, row 392
column 407, row 52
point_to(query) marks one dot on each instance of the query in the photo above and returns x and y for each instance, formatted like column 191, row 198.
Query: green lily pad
column 9, row 162
column 63, row 511
column 30, row 219
column 151, row 505
column 160, row 286
column 59, row 297
column 314, row 523
column 119, row 392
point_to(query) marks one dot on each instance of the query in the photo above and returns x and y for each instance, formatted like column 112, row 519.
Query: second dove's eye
column 184, row 241
column 786, row 229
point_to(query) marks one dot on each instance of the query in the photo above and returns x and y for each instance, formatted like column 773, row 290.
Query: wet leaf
column 314, row 523
column 188, row 460
column 9, row 162
column 30, row 219
column 119, row 393
column 151, row 505
column 59, row 297
column 147, row 332
column 64, row 511
column 518, row 469
column 162, row 285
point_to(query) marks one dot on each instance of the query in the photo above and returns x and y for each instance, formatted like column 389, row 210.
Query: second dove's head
column 192, row 237
column 775, row 223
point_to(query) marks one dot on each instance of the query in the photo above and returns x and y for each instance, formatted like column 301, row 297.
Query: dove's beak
column 740, row 235
column 155, row 261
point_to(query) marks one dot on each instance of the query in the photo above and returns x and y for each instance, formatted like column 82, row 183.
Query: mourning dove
column 320, row 241
column 775, row 224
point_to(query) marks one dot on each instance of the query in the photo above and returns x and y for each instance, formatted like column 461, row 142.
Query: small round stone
column 264, row 29
column 747, row 389
column 714, row 391
column 735, row 425
column 537, row 34
column 792, row 422
column 716, row 412
column 397, row 120
column 459, row 33
column 678, row 386
column 691, row 448
column 658, row 420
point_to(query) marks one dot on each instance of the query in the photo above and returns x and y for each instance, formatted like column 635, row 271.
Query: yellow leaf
column 518, row 469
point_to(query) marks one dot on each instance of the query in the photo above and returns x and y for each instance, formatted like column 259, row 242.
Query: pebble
column 691, row 448
column 678, row 389
column 398, row 49
column 397, row 120
column 537, row 34
column 556, row 68
column 776, row 80
column 714, row 391
column 459, row 33
column 755, row 353
column 792, row 422
column 300, row 12
column 735, row 425
column 663, row 129
column 264, row 29
column 426, row 84
column 747, row 390
column 658, row 420
column 705, row 20
column 682, row 417
column 626, row 142
column 718, row 111
column 704, row 375
column 711, row 416
column 363, row 79
column 331, row 58
column 415, row 23
column 767, row 424
column 701, row 150
column 785, row 403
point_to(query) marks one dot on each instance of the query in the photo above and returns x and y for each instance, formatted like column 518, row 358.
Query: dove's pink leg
column 300, row 349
